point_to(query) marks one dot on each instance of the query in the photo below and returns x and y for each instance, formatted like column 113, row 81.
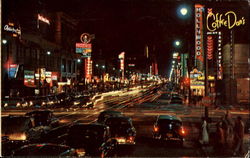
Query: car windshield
column 15, row 99
column 169, row 124
column 12, row 125
column 40, row 117
column 90, row 132
column 114, row 122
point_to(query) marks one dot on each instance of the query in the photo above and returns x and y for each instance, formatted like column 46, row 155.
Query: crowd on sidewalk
column 228, row 139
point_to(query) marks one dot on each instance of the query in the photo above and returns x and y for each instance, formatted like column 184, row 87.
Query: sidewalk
column 227, row 151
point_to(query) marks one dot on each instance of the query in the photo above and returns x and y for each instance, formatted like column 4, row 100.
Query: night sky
column 129, row 25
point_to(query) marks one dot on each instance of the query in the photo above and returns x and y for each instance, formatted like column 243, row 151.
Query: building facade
column 38, row 52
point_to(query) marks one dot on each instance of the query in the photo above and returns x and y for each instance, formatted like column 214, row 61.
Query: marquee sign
column 229, row 20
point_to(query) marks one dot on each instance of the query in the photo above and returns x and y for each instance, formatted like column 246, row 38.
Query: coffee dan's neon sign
column 229, row 20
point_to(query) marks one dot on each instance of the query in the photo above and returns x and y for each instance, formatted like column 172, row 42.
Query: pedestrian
column 219, row 137
column 238, row 136
column 204, row 136
column 204, row 139
column 228, row 129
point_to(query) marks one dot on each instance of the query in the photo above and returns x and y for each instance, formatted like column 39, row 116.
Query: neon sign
column 10, row 28
column 229, row 20
column 199, row 33
column 210, row 47
column 43, row 19
column 219, row 58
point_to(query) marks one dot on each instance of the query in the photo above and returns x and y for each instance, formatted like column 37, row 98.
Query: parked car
column 106, row 114
column 40, row 101
column 43, row 118
column 56, row 135
column 168, row 127
column 121, row 129
column 92, row 139
column 15, row 132
column 45, row 150
column 52, row 101
column 64, row 99
column 14, row 103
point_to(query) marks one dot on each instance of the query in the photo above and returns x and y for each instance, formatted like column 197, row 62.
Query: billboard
column 84, row 48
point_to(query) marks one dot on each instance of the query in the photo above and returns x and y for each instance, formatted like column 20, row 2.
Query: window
column 69, row 66
column 74, row 66
column 63, row 65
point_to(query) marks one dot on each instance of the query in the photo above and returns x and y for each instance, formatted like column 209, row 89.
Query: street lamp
column 184, row 11
column 4, row 41
column 177, row 43
column 78, row 60
column 48, row 52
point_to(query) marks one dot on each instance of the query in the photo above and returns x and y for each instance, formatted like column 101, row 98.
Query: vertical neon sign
column 199, row 37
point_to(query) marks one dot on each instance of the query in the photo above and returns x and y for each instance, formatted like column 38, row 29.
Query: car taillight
column 156, row 128
column 182, row 131
column 131, row 138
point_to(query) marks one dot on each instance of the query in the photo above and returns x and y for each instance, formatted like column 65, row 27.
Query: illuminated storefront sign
column 13, row 69
column 199, row 36
column 84, row 49
column 43, row 19
column 29, row 79
column 229, row 20
column 54, row 76
column 42, row 74
column 11, row 28
column 219, row 58
column 210, row 78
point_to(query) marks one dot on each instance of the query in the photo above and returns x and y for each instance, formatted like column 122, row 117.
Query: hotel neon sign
column 229, row 20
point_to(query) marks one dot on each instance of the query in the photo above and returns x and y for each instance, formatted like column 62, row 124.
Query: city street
column 143, row 116
column 125, row 78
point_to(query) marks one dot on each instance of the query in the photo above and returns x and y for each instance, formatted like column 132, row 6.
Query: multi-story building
column 236, row 73
column 37, row 51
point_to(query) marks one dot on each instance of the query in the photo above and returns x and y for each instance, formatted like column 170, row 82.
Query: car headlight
column 80, row 152
column 121, row 140
column 76, row 102
column 6, row 104
column 18, row 136
column 25, row 104
column 31, row 103
column 43, row 103
column 18, row 104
